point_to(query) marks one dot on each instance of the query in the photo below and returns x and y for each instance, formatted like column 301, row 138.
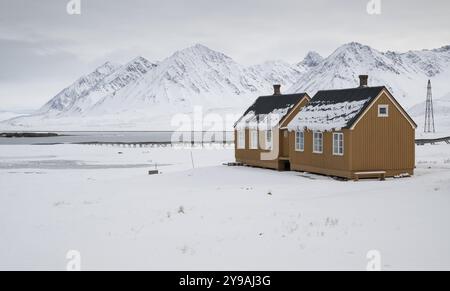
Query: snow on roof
column 324, row 116
column 268, row 111
column 263, row 121
column 334, row 109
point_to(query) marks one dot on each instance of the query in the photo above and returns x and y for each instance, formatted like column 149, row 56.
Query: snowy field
column 103, row 204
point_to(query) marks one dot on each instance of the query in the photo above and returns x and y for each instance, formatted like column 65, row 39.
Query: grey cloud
column 28, row 60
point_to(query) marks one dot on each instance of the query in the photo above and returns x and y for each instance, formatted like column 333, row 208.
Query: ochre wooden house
column 260, row 141
column 351, row 133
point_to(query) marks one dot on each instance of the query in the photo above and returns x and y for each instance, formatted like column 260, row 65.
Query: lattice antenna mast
column 429, row 112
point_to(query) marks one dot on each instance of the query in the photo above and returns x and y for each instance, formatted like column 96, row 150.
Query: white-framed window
column 268, row 139
column 338, row 144
column 299, row 141
column 241, row 139
column 253, row 139
column 317, row 142
column 383, row 110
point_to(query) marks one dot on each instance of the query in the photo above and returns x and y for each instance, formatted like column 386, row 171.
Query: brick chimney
column 276, row 89
column 363, row 81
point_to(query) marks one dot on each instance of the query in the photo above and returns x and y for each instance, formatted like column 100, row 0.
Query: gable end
column 393, row 100
column 285, row 118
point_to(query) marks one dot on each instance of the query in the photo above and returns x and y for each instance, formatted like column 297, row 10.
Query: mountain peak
column 141, row 61
column 445, row 48
column 354, row 47
column 195, row 55
column 354, row 44
column 200, row 50
column 200, row 46
column 106, row 68
column 354, row 55
column 312, row 59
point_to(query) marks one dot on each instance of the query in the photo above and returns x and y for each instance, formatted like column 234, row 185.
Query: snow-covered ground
column 92, row 199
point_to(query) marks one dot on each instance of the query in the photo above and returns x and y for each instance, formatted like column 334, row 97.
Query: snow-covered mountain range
column 145, row 95
column 405, row 74
column 91, row 90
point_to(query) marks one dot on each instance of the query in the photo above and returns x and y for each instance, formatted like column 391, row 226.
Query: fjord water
column 72, row 137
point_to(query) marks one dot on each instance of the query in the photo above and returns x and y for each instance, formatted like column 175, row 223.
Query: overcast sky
column 43, row 48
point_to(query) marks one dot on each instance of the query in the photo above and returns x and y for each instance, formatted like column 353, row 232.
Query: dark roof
column 267, row 104
column 330, row 97
column 343, row 107
column 347, row 95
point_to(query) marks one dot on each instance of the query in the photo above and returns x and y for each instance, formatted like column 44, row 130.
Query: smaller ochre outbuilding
column 351, row 133
column 260, row 139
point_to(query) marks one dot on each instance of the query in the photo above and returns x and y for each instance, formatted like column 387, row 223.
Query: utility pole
column 429, row 113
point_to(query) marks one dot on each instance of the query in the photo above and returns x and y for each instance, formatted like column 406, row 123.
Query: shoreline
column 27, row 134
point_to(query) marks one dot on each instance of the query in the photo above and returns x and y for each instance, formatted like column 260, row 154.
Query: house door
column 284, row 143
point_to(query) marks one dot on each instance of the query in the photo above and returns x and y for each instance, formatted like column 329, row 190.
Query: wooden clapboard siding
column 383, row 143
column 374, row 144
column 252, row 157
column 324, row 163
column 285, row 142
